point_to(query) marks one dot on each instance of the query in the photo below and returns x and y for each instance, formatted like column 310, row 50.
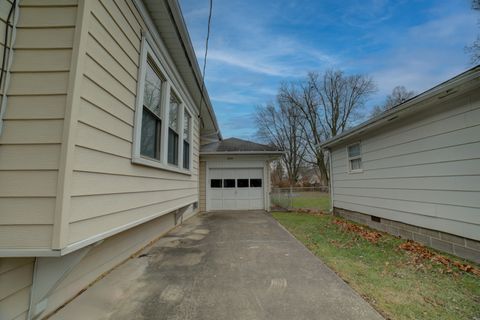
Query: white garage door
column 236, row 189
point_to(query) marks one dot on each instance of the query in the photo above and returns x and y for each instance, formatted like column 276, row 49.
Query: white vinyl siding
column 33, row 122
column 422, row 171
column 109, row 193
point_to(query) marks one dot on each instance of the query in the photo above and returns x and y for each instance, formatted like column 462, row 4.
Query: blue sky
column 257, row 44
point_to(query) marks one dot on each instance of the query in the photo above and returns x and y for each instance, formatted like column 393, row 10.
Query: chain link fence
column 294, row 198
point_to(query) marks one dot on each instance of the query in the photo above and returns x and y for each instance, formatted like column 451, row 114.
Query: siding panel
column 423, row 171
column 108, row 190
column 34, row 119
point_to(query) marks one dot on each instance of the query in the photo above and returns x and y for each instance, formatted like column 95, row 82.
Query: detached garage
column 235, row 175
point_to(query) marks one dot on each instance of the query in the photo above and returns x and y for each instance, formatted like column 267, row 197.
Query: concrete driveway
column 226, row 265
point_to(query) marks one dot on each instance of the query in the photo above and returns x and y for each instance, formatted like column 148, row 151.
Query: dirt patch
column 369, row 235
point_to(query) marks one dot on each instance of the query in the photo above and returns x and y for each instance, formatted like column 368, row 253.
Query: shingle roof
column 237, row 145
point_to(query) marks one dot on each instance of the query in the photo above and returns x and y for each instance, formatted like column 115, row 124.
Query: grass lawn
column 306, row 200
column 386, row 276
column 312, row 200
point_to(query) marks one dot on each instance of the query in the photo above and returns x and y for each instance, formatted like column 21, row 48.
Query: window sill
column 356, row 171
column 155, row 164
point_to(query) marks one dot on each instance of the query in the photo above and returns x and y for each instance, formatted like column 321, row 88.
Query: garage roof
column 238, row 146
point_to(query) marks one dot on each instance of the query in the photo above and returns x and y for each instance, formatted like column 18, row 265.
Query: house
column 107, row 141
column 414, row 170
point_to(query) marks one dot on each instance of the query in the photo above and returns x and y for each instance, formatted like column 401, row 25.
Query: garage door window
column 255, row 183
column 242, row 183
column 216, row 183
column 229, row 183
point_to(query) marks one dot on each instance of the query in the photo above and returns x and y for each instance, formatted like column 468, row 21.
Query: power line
column 206, row 54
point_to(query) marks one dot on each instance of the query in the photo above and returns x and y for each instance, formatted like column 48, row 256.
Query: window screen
column 173, row 130
column 242, row 183
column 255, row 183
column 229, row 183
column 216, row 183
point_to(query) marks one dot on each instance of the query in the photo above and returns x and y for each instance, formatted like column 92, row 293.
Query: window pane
column 152, row 91
column 255, row 183
column 186, row 126
column 354, row 150
column 216, row 183
column 186, row 155
column 173, row 112
column 172, row 147
column 242, row 183
column 229, row 183
column 356, row 164
column 150, row 135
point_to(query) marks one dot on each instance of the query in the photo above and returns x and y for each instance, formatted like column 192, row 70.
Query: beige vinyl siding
column 15, row 281
column 33, row 122
column 108, row 192
column 423, row 171
column 202, row 186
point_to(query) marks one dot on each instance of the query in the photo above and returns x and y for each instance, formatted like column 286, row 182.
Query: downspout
column 3, row 105
column 330, row 164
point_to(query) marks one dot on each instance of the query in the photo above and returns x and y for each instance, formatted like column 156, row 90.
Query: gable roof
column 238, row 146
column 461, row 83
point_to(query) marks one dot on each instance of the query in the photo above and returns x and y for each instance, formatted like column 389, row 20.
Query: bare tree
column 399, row 95
column 329, row 104
column 474, row 49
column 279, row 125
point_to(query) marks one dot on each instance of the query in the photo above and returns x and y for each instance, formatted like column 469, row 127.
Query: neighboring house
column 309, row 177
column 102, row 123
column 414, row 170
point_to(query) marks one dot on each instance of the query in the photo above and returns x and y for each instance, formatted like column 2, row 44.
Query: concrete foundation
column 456, row 245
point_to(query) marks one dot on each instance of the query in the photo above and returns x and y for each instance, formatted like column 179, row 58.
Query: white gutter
column 241, row 153
column 181, row 26
column 446, row 88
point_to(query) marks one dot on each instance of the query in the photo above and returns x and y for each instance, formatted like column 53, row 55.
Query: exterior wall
column 15, row 282
column 459, row 246
column 203, row 186
column 108, row 192
column 423, row 171
column 33, row 124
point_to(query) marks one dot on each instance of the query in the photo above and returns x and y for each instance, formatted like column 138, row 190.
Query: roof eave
column 416, row 102
column 242, row 153
column 180, row 25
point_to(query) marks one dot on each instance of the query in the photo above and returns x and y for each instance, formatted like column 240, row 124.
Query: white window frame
column 189, row 138
column 147, row 51
column 349, row 159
